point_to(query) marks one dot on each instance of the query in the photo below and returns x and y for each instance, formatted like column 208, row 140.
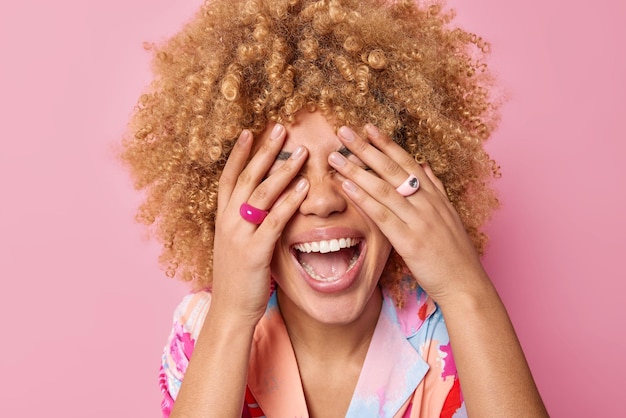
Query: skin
column 325, row 213
column 312, row 192
column 495, row 377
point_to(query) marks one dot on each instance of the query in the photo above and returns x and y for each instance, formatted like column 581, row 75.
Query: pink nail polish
column 244, row 137
column 337, row 159
column 301, row 185
column 276, row 131
column 346, row 133
column 298, row 152
column 372, row 130
column 348, row 186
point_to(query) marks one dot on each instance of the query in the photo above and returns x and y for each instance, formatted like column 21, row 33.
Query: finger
column 377, row 188
column 233, row 167
column 390, row 161
column 286, row 206
column 382, row 215
column 391, row 149
column 399, row 154
column 438, row 183
column 422, row 171
column 385, row 166
column 252, row 175
column 380, row 191
column 265, row 194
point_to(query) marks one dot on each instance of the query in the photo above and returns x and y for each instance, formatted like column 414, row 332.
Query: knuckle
column 272, row 221
column 260, row 193
column 265, row 148
column 352, row 170
column 224, row 180
column 381, row 215
column 407, row 160
column 244, row 178
column 360, row 146
column 288, row 168
column 392, row 168
column 384, row 189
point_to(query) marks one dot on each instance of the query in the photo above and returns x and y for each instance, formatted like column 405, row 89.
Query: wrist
column 226, row 316
column 475, row 294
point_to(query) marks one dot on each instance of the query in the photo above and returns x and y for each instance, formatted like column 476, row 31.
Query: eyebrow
column 284, row 155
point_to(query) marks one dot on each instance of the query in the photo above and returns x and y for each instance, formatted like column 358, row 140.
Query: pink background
column 85, row 309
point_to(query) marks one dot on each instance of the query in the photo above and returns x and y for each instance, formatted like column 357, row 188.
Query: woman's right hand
column 242, row 251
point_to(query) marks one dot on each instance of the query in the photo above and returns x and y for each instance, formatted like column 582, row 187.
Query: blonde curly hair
column 244, row 63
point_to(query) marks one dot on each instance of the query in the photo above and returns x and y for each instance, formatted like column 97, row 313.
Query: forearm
column 215, row 381
column 495, row 377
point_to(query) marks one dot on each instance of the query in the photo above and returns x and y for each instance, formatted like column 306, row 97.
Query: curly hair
column 241, row 64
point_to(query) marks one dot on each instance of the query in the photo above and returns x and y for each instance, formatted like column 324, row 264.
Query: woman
column 316, row 170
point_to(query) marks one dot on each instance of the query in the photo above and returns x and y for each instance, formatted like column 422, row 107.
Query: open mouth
column 328, row 260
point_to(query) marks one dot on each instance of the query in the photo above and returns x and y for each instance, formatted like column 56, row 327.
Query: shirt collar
column 385, row 383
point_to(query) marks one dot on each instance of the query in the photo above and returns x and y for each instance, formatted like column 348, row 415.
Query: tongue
column 328, row 265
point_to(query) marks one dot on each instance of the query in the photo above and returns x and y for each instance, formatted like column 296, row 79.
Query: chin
column 330, row 311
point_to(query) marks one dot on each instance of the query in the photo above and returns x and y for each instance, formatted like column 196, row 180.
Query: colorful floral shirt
column 408, row 371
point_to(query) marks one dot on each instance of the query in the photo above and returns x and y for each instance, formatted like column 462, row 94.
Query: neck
column 331, row 342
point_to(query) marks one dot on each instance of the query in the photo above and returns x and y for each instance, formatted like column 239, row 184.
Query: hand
column 423, row 228
column 242, row 250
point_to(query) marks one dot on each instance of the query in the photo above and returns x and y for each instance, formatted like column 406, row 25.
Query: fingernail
column 277, row 131
column 337, row 159
column 244, row 137
column 298, row 152
column 371, row 130
column 301, row 185
column 346, row 133
column 348, row 186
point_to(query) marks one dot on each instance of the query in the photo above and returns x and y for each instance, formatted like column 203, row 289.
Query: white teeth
column 311, row 272
column 326, row 246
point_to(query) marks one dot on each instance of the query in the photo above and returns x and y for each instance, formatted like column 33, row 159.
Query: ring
column 409, row 186
column 252, row 214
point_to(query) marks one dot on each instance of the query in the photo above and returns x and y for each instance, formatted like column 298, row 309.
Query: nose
column 324, row 197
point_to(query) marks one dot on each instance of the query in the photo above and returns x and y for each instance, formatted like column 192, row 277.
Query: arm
column 215, row 381
column 494, row 375
column 428, row 234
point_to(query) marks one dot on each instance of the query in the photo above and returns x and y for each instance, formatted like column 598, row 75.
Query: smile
column 328, row 260
column 326, row 246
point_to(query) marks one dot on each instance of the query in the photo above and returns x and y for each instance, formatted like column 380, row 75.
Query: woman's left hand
column 424, row 228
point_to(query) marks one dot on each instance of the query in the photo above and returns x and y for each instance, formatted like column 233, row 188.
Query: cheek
column 382, row 250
